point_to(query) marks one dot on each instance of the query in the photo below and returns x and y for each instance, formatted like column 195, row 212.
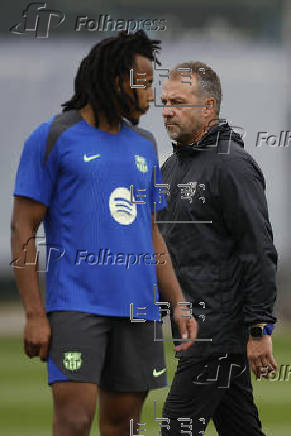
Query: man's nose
column 168, row 111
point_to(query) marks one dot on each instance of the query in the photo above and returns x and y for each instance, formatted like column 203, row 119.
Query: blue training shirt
column 100, row 255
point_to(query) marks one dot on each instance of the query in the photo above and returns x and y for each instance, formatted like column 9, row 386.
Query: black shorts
column 115, row 353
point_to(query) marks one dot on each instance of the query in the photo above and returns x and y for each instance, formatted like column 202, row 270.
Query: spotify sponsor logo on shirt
column 120, row 206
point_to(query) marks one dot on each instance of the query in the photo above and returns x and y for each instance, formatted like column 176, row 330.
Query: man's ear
column 209, row 109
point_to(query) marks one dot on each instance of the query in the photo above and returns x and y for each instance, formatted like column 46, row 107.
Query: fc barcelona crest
column 72, row 361
column 141, row 163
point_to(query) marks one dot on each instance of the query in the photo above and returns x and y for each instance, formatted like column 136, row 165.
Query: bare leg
column 74, row 408
column 116, row 410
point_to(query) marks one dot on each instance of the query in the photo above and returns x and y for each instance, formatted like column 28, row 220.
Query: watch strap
column 268, row 329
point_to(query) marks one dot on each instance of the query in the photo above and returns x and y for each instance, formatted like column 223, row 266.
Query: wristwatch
column 259, row 330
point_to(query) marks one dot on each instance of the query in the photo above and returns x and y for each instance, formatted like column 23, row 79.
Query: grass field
column 26, row 407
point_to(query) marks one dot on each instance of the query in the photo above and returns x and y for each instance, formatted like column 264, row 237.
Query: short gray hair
column 208, row 79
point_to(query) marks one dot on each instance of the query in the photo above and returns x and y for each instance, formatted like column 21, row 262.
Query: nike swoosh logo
column 88, row 158
column 158, row 373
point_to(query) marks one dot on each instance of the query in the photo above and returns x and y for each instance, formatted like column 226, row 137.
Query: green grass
column 26, row 406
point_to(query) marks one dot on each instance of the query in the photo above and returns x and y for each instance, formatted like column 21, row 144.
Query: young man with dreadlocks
column 79, row 173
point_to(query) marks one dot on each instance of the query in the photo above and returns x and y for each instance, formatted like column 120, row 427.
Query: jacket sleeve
column 245, row 213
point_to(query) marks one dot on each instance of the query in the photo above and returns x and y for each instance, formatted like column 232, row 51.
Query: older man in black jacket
column 220, row 239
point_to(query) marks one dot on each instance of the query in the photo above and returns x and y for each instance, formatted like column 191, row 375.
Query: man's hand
column 260, row 356
column 187, row 326
column 37, row 335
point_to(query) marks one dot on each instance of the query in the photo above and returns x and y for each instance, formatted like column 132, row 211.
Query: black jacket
column 221, row 241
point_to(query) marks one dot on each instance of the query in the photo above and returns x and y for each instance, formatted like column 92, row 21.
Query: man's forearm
column 25, row 263
column 259, row 287
column 167, row 280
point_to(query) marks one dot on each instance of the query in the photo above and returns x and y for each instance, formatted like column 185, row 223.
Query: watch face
column 256, row 332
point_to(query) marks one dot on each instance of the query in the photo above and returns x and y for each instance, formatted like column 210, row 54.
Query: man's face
column 145, row 95
column 182, row 123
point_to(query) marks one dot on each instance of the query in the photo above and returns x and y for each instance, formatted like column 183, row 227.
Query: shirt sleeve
column 36, row 175
column 245, row 213
column 158, row 196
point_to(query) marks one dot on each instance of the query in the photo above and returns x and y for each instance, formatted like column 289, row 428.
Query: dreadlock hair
column 95, row 79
